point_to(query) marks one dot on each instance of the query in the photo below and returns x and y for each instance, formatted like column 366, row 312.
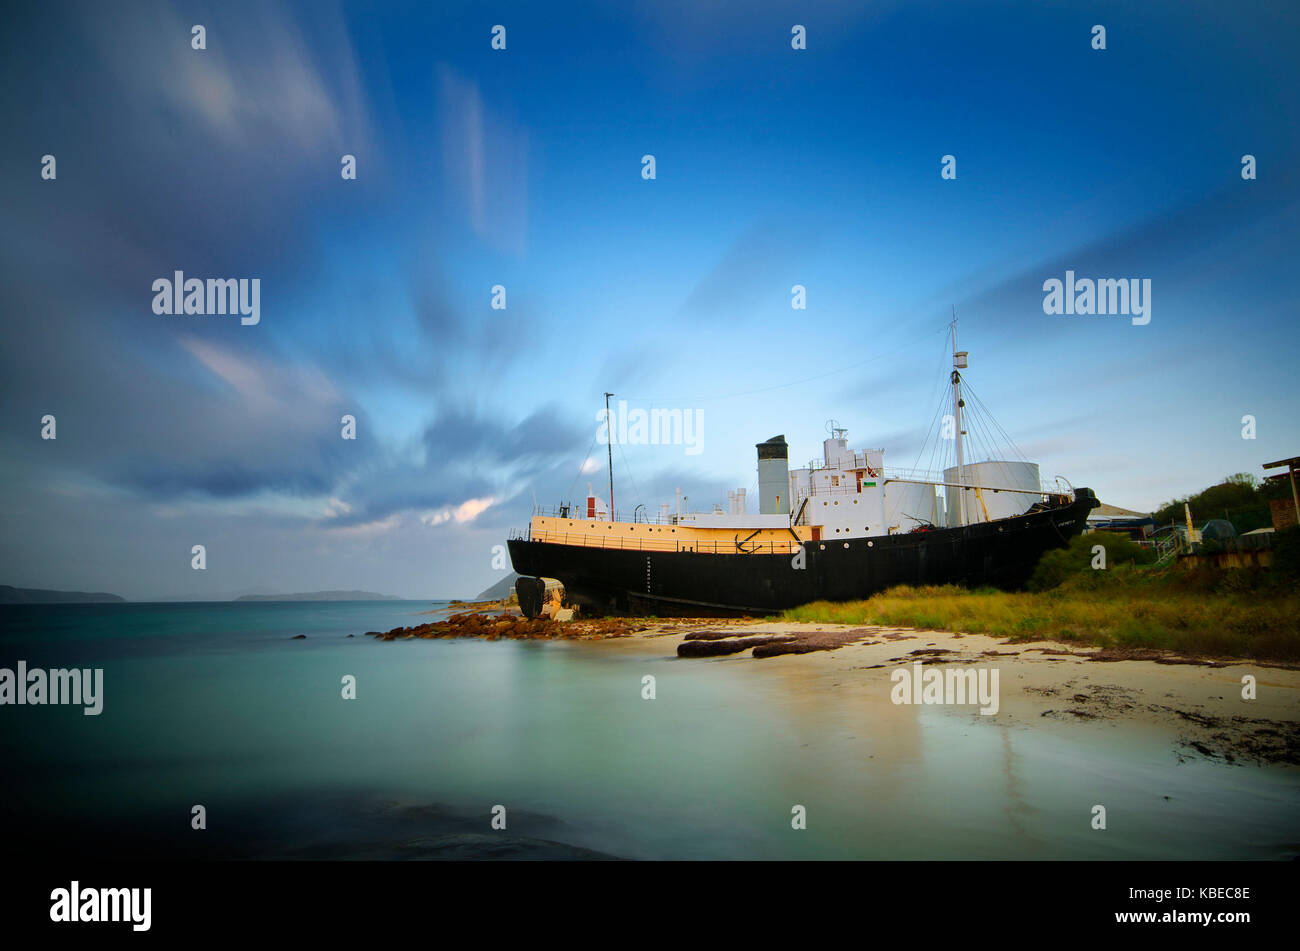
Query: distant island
column 322, row 596
column 12, row 595
column 501, row 590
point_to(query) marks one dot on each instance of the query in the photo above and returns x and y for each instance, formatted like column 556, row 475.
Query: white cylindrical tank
column 909, row 505
column 997, row 474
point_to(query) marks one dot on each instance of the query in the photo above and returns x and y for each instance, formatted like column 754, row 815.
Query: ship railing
column 937, row 478
column 875, row 472
column 578, row 513
column 862, row 460
column 852, row 489
column 849, row 486
column 575, row 514
column 916, row 475
column 821, row 492
column 712, row 547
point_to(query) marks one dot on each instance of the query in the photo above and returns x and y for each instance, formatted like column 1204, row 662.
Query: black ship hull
column 1001, row 553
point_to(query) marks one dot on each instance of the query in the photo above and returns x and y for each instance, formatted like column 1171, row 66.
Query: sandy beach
column 1197, row 704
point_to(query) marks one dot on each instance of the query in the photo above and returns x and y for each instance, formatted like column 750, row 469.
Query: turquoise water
column 214, row 704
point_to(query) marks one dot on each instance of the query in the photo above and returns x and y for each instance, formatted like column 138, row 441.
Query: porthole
column 846, row 544
column 871, row 544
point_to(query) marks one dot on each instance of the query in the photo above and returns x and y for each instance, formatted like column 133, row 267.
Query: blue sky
column 522, row 168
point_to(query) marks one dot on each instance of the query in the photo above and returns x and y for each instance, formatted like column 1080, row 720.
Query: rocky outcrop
column 721, row 646
column 490, row 627
column 714, row 643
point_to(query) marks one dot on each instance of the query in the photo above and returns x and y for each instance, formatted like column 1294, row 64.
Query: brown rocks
column 489, row 627
column 718, row 646
column 789, row 647
column 712, row 643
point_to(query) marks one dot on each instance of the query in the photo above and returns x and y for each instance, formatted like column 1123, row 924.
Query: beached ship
column 840, row 530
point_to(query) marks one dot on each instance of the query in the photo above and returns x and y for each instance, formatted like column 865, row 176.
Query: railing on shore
column 1171, row 543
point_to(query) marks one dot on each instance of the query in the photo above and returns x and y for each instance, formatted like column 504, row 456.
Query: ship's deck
column 642, row 536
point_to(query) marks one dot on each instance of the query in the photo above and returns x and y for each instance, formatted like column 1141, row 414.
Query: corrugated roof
column 1114, row 511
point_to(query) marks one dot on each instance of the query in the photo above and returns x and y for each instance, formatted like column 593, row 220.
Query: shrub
column 1076, row 558
column 1286, row 556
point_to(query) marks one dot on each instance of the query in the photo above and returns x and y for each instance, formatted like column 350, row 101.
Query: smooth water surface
column 214, row 704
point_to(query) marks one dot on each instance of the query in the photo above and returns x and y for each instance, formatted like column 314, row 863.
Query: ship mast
column 609, row 444
column 958, row 363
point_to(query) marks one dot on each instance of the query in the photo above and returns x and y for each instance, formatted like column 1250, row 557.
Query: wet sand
column 1195, row 704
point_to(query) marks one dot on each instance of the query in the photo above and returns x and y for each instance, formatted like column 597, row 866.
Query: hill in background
column 11, row 595
column 501, row 590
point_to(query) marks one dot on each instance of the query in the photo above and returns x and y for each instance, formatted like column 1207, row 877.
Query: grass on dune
column 1124, row 607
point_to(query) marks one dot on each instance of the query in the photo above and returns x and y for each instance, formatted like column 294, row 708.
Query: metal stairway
column 1169, row 542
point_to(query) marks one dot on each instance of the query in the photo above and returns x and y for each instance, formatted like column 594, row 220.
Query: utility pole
column 609, row 444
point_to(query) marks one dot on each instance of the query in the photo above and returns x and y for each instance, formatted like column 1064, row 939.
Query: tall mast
column 609, row 444
column 956, row 412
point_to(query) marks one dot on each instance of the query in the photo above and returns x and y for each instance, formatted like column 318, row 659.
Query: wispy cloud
column 485, row 163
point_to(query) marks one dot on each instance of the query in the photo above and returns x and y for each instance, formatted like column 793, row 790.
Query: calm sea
column 215, row 705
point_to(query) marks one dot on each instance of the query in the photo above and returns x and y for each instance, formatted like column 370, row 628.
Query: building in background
column 1138, row 526
column 1286, row 514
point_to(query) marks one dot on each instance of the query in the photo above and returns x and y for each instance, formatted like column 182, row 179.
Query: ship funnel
column 774, row 477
